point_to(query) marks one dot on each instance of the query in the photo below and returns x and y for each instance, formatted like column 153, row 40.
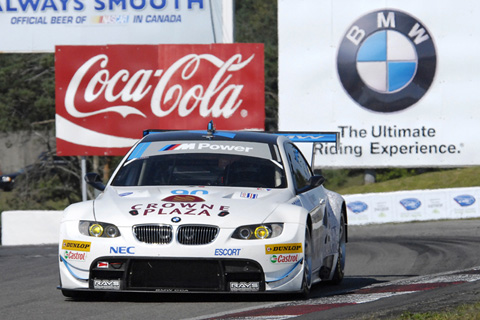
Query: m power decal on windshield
column 206, row 146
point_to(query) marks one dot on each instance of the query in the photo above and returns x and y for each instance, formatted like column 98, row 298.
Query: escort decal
column 227, row 252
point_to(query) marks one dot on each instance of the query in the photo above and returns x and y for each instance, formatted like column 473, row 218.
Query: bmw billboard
column 393, row 77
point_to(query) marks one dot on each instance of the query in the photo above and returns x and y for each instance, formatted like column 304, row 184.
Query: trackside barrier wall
column 30, row 227
column 416, row 205
column 42, row 227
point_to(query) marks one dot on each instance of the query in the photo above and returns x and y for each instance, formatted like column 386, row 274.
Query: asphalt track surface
column 391, row 269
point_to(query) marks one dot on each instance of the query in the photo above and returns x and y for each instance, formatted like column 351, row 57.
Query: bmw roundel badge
column 176, row 219
column 386, row 60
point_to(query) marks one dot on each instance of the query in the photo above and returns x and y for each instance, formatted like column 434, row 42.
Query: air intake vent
column 196, row 235
column 155, row 234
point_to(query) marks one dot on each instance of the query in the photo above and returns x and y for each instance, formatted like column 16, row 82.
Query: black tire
column 307, row 265
column 340, row 265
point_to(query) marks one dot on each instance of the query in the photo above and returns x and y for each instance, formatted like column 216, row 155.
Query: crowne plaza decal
column 386, row 61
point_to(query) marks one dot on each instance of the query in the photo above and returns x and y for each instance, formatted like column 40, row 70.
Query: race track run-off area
column 391, row 269
column 359, row 296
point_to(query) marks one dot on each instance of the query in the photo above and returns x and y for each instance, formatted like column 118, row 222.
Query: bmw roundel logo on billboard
column 386, row 60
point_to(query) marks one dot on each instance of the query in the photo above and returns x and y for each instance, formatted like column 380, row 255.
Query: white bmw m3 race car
column 205, row 211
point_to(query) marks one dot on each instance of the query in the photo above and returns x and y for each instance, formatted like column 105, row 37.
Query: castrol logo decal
column 284, row 258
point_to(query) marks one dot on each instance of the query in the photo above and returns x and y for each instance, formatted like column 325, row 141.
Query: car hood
column 223, row 206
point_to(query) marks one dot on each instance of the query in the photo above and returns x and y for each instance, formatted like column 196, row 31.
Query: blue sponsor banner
column 310, row 136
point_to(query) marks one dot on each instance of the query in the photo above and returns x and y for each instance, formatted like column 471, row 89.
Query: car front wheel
column 340, row 266
column 307, row 265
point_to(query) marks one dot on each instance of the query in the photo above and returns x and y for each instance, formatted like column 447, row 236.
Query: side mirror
column 95, row 181
column 316, row 181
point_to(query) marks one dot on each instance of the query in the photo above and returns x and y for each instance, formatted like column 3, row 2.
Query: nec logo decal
column 122, row 250
column 386, row 61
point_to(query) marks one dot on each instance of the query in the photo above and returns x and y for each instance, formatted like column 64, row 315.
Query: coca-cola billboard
column 107, row 95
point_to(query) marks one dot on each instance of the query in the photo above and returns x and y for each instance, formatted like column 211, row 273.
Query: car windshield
column 201, row 169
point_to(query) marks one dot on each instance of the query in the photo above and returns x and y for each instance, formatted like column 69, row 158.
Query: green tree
column 256, row 22
column 27, row 90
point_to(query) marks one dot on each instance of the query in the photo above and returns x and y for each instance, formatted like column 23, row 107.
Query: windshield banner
column 107, row 95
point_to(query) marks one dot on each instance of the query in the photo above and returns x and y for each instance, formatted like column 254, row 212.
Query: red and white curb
column 287, row 310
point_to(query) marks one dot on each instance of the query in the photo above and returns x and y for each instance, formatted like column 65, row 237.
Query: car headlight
column 98, row 229
column 258, row 231
column 6, row 179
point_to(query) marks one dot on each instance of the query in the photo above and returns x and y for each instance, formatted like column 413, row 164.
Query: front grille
column 178, row 274
column 196, row 235
column 187, row 234
column 191, row 274
column 154, row 234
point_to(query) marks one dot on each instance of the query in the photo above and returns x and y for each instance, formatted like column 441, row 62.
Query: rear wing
column 315, row 138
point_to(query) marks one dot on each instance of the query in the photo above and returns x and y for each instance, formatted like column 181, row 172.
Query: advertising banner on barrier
column 415, row 205
column 107, row 95
column 399, row 86
column 37, row 26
